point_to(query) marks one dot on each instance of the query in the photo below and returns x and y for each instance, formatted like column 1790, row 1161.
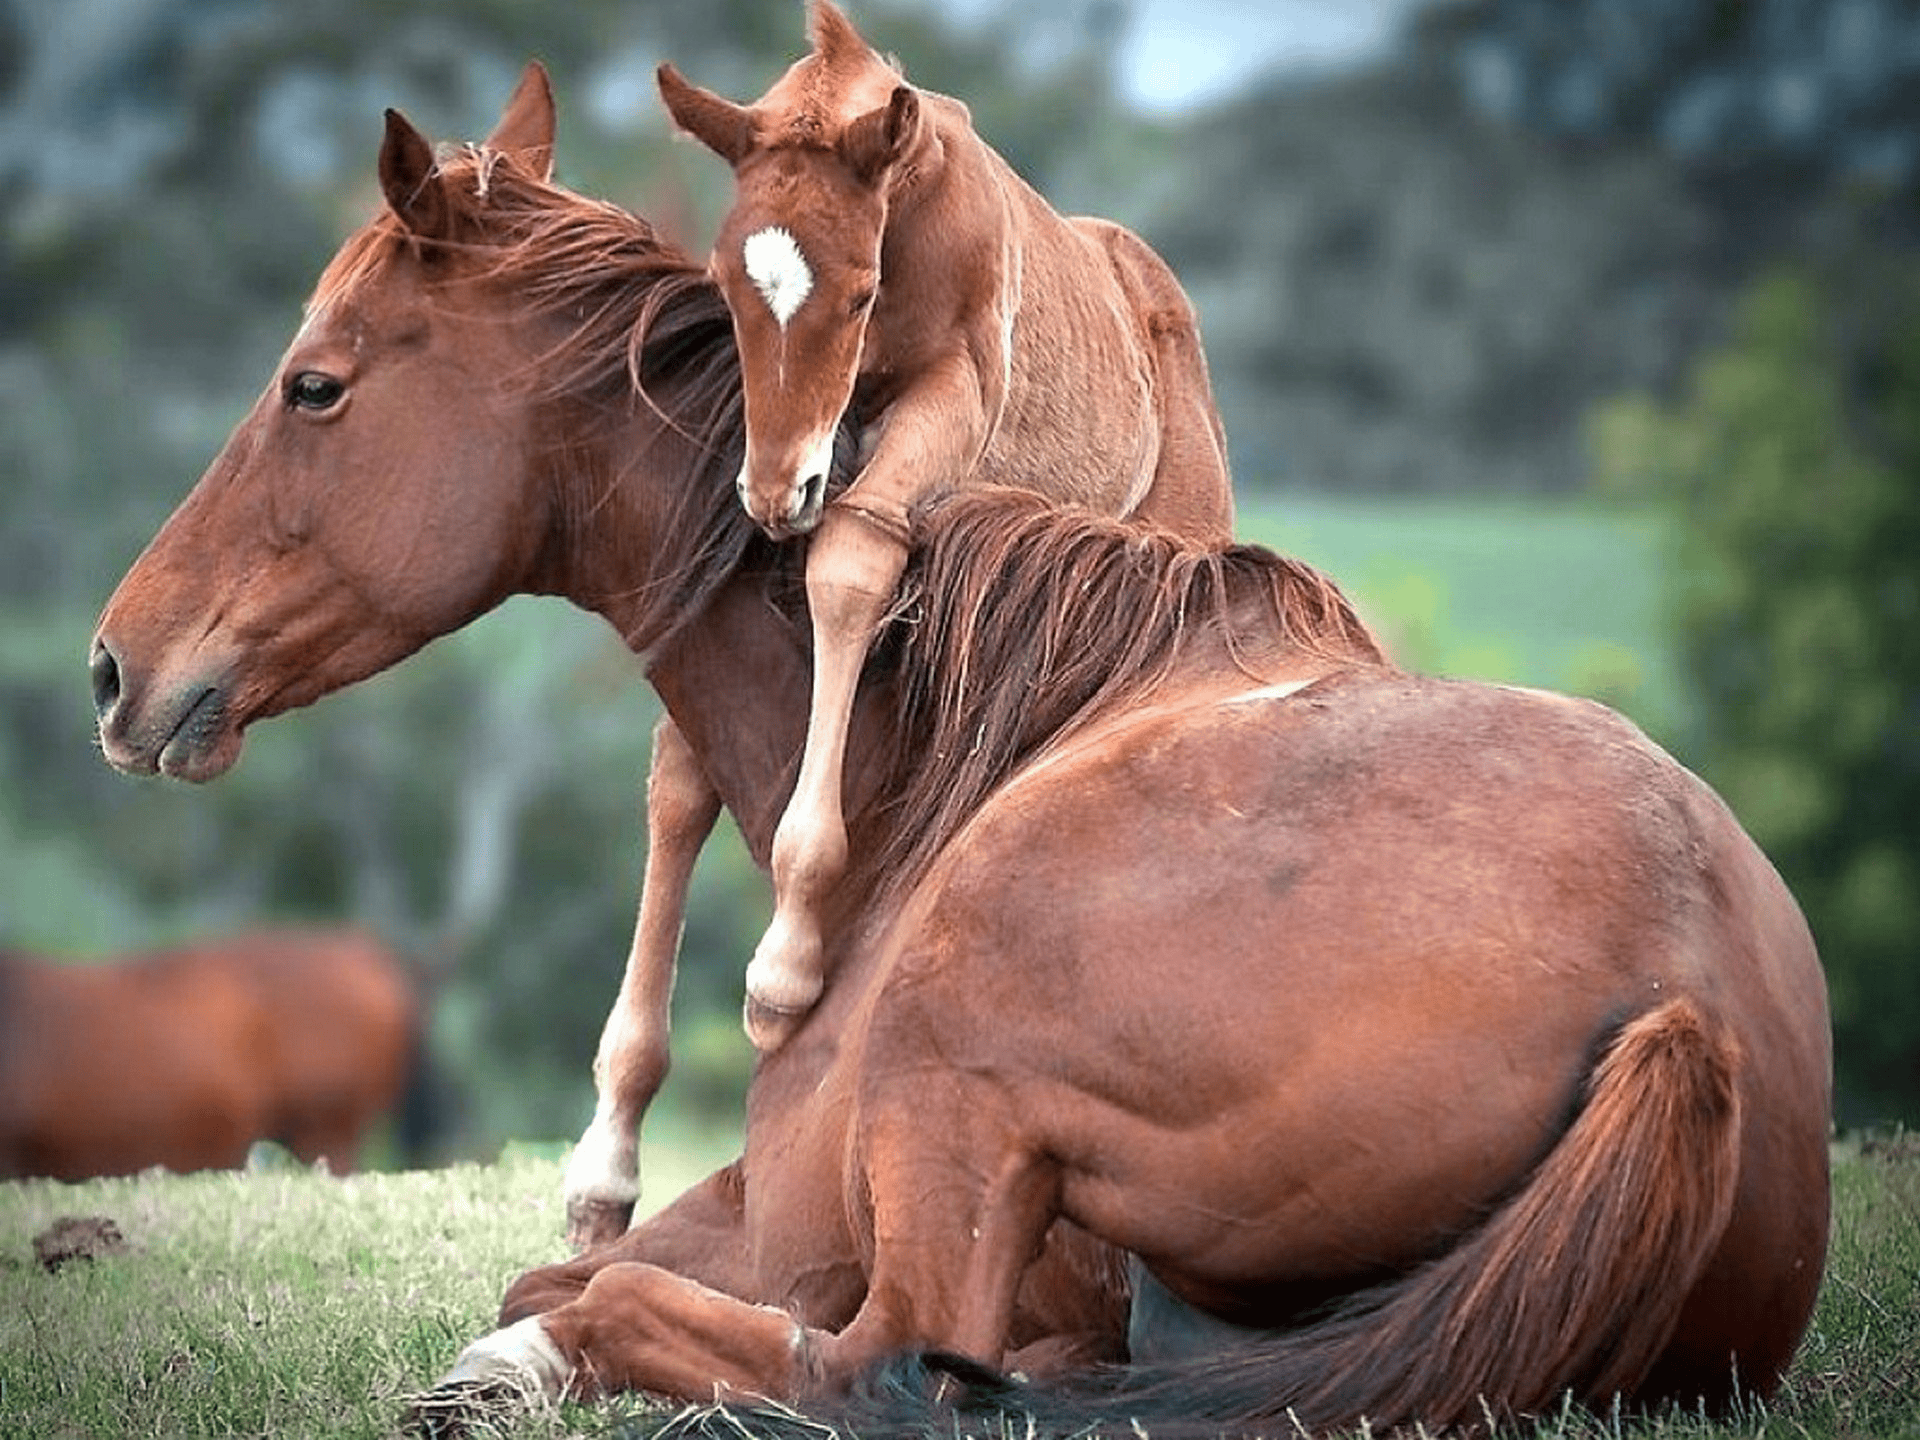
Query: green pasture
column 284, row 1303
column 1563, row 594
column 277, row 1302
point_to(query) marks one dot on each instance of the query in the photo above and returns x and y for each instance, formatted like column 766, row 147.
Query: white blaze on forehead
column 778, row 270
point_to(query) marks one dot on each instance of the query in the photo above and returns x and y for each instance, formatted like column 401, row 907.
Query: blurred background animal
column 184, row 1057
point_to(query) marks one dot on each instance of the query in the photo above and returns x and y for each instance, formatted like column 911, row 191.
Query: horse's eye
column 861, row 302
column 311, row 390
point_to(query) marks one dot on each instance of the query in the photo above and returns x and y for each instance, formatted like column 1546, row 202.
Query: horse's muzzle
column 798, row 514
column 181, row 731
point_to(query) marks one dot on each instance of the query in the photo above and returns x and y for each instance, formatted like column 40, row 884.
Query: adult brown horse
column 184, row 1057
column 1190, row 931
column 880, row 256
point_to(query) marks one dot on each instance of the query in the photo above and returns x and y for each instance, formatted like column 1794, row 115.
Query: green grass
column 288, row 1304
column 1563, row 594
column 274, row 1303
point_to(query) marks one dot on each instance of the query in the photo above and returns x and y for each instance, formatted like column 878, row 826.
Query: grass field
column 282, row 1303
column 1565, row 594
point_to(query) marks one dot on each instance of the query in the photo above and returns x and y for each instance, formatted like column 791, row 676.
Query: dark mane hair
column 1023, row 622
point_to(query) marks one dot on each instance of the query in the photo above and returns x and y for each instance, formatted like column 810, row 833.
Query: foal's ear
column 525, row 130
column 878, row 138
column 410, row 180
column 715, row 121
column 833, row 35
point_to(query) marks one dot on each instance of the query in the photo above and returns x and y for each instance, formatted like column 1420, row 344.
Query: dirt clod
column 77, row 1237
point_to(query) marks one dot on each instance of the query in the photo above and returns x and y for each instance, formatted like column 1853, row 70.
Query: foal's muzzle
column 796, row 509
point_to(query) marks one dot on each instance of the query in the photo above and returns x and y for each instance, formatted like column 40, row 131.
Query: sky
column 1178, row 54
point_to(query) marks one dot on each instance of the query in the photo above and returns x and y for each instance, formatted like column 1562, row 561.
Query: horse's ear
column 715, row 121
column 878, row 138
column 526, row 126
column 832, row 33
column 410, row 180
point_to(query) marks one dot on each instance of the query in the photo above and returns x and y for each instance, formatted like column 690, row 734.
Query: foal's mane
column 1026, row 621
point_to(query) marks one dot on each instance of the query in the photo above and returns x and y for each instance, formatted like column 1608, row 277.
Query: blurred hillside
column 1421, row 276
column 1418, row 277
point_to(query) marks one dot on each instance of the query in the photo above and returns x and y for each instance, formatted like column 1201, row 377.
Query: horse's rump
column 1338, row 961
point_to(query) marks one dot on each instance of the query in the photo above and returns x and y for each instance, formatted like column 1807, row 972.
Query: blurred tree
column 1793, row 471
column 1418, row 277
column 1827, row 85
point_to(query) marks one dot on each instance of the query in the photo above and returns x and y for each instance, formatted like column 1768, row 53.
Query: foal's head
column 799, row 256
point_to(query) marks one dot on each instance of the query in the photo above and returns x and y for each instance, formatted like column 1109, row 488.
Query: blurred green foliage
column 1792, row 469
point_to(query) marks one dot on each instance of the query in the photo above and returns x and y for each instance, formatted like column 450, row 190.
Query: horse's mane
column 1024, row 622
column 642, row 323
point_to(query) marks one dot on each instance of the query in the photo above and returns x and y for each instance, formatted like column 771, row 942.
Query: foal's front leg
column 603, row 1174
column 854, row 565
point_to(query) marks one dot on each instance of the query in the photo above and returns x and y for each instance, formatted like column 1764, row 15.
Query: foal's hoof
column 783, row 985
column 770, row 1026
column 784, row 980
column 592, row 1222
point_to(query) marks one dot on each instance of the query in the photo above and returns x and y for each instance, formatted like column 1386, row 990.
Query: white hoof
column 519, row 1359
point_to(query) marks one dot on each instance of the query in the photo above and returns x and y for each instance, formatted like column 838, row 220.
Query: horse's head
column 798, row 257
column 373, row 498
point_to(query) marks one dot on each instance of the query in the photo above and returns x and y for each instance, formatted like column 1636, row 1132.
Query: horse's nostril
column 105, row 671
column 812, row 490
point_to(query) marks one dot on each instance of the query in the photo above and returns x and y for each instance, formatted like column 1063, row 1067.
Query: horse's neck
column 735, row 678
column 936, row 190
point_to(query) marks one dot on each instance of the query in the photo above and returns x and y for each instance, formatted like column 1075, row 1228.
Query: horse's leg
column 603, row 1176
column 333, row 1141
column 853, row 570
column 701, row 1233
column 948, row 1264
column 658, row 1309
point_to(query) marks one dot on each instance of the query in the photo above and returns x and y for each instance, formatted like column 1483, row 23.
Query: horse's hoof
column 592, row 1222
column 770, row 1026
column 495, row 1380
column 461, row 1410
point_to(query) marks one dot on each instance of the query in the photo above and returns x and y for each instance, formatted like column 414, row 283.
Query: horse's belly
column 1097, row 447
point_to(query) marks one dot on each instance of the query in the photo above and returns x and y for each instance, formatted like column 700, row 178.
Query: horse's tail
column 1574, row 1285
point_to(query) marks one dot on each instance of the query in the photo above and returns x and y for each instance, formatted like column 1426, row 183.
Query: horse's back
column 183, row 1058
column 1340, row 960
column 1191, row 492
column 1135, row 430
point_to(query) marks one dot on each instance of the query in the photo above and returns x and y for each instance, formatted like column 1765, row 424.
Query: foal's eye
column 861, row 302
column 311, row 390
